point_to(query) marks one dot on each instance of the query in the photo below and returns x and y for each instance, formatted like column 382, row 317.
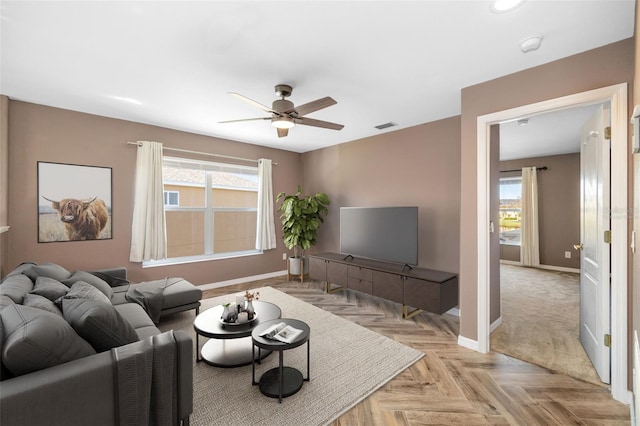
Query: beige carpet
column 348, row 363
column 540, row 320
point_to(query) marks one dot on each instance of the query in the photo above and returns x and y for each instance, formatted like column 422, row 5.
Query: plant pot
column 294, row 265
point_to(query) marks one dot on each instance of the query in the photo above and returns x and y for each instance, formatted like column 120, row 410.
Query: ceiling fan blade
column 245, row 119
column 251, row 102
column 318, row 123
column 282, row 132
column 312, row 106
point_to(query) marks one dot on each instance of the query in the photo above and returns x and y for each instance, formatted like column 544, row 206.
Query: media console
column 418, row 288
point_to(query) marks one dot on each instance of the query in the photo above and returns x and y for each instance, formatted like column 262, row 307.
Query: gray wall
column 416, row 166
column 558, row 208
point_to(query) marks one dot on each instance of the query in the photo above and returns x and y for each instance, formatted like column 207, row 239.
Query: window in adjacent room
column 211, row 209
column 510, row 210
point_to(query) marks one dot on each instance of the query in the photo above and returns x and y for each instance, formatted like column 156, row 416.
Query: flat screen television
column 381, row 233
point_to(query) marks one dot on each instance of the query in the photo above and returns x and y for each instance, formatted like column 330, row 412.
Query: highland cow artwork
column 74, row 202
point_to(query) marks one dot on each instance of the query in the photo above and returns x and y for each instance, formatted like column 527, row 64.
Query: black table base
column 291, row 382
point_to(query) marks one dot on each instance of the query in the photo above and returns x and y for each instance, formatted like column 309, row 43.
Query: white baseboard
column 242, row 280
column 497, row 323
column 465, row 342
column 547, row 267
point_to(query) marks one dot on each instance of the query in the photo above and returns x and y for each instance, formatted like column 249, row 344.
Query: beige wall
column 605, row 66
column 415, row 166
column 4, row 182
column 40, row 133
column 558, row 208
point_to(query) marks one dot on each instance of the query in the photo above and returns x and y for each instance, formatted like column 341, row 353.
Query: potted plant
column 301, row 216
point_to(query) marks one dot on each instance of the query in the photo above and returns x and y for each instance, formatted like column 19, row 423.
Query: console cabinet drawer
column 317, row 269
column 388, row 286
column 430, row 296
column 337, row 273
column 360, row 285
column 360, row 273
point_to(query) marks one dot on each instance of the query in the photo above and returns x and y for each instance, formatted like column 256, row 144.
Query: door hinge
column 607, row 237
column 607, row 132
column 607, row 340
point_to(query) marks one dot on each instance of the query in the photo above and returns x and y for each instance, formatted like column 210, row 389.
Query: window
column 211, row 209
column 171, row 198
column 510, row 210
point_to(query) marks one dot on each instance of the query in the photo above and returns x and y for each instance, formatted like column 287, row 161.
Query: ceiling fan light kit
column 285, row 115
column 282, row 122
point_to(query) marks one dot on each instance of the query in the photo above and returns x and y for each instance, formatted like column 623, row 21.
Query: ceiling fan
column 284, row 115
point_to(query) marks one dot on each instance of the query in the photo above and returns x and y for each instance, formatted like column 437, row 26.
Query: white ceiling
column 171, row 63
column 551, row 133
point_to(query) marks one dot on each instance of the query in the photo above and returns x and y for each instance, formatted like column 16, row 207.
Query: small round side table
column 279, row 382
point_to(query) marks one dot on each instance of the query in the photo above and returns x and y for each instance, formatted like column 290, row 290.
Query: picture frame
column 74, row 202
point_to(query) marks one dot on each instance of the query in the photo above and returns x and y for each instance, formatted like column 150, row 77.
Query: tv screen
column 382, row 233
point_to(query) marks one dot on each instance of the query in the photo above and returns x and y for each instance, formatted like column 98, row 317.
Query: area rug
column 348, row 363
column 540, row 321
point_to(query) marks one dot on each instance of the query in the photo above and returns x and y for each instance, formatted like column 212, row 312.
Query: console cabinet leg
column 406, row 314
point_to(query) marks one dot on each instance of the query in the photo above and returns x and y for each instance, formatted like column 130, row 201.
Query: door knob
column 578, row 246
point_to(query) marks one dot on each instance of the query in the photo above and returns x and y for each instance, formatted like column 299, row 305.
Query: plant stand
column 302, row 275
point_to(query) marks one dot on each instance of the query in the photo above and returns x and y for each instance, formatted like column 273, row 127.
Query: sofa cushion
column 41, row 302
column 89, row 279
column 98, row 323
column 5, row 301
column 82, row 290
column 49, row 288
column 21, row 268
column 139, row 319
column 36, row 339
column 15, row 287
column 120, row 295
column 179, row 292
column 50, row 270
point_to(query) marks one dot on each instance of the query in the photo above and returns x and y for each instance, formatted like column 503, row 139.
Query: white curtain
column 266, row 230
column 148, row 229
column 529, row 244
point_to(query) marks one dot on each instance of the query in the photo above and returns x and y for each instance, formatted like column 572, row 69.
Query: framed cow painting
column 74, row 202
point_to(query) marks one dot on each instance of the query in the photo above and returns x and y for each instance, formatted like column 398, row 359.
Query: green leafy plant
column 301, row 216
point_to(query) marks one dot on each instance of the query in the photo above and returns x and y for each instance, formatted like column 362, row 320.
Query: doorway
column 540, row 305
column 617, row 96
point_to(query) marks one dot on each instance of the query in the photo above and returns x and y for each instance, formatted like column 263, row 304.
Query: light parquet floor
column 452, row 385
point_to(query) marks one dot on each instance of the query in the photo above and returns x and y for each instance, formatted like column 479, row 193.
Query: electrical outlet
column 567, row 254
column 284, row 256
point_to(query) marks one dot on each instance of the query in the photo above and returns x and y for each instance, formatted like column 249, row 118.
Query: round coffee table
column 230, row 345
column 281, row 381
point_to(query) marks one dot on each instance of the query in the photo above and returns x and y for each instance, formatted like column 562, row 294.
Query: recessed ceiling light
column 502, row 6
column 523, row 122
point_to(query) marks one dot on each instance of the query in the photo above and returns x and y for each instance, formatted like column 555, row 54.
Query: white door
column 595, row 254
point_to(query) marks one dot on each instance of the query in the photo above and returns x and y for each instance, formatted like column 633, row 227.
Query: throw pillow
column 50, row 270
column 36, row 339
column 89, row 279
column 82, row 290
column 15, row 287
column 40, row 302
column 98, row 323
column 49, row 288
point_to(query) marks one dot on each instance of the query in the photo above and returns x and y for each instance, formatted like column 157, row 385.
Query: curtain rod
column 519, row 170
column 187, row 151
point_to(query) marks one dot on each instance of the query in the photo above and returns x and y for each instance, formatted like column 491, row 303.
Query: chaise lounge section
column 76, row 349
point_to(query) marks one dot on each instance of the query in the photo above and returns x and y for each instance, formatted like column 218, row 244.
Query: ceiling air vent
column 386, row 125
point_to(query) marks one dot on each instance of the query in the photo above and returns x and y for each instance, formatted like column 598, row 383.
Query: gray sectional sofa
column 81, row 348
